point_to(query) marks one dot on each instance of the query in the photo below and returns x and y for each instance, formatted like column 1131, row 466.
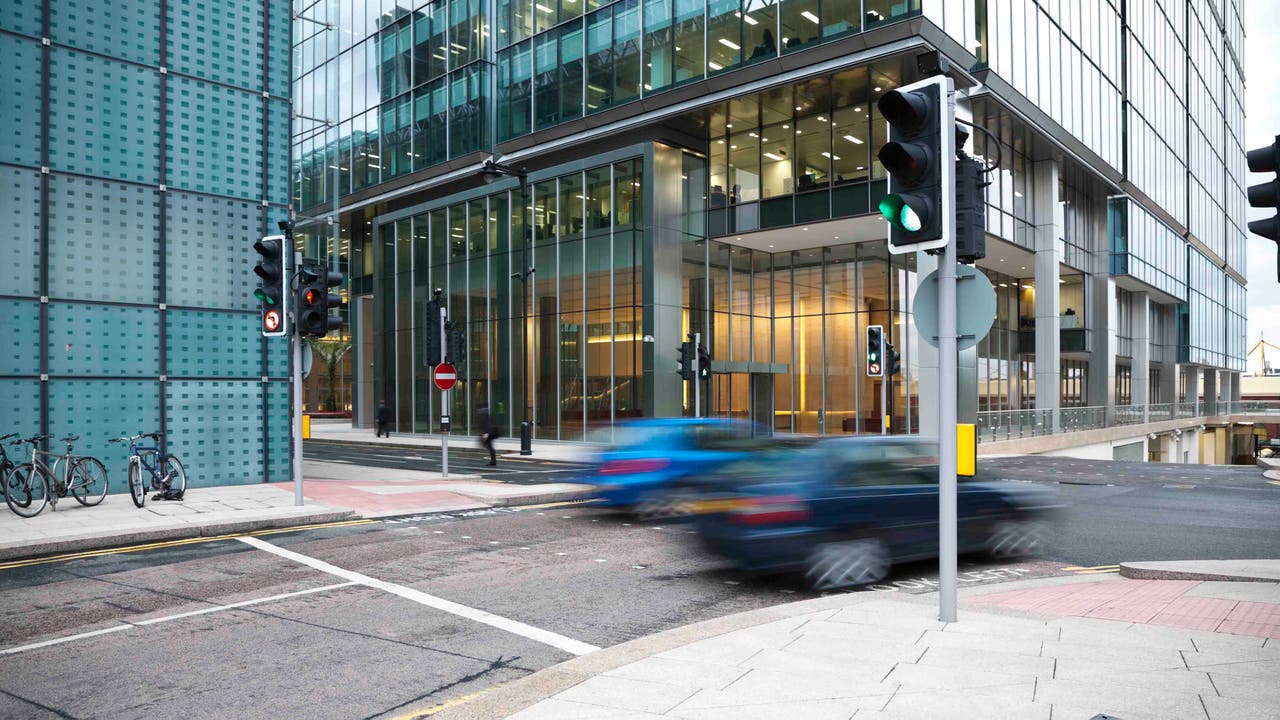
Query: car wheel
column 844, row 564
column 1016, row 539
column 663, row 505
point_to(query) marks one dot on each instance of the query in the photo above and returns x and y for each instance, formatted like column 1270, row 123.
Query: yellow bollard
column 306, row 426
column 966, row 449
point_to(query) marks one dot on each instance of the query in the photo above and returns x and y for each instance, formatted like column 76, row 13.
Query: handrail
column 996, row 425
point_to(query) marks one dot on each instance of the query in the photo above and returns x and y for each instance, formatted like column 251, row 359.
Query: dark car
column 844, row 510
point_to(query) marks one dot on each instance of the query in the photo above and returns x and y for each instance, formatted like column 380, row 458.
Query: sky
column 1261, row 125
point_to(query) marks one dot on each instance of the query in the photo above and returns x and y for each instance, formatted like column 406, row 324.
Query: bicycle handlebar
column 31, row 440
column 6, row 437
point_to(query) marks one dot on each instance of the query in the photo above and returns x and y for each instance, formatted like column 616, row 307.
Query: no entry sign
column 446, row 376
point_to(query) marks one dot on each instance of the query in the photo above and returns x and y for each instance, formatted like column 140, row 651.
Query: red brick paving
column 1150, row 602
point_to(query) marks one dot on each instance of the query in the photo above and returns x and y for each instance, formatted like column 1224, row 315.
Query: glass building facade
column 703, row 167
column 145, row 149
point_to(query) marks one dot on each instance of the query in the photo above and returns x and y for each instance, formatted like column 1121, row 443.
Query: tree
column 331, row 350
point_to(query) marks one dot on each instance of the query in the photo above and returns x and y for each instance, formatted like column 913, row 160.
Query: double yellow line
column 173, row 543
column 1095, row 570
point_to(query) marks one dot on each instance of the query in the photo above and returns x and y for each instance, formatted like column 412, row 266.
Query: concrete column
column 1103, row 321
column 1210, row 391
column 663, row 295
column 1235, row 387
column 1048, row 230
column 1140, row 366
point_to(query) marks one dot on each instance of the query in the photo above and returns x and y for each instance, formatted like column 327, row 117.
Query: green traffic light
column 891, row 206
column 873, row 357
column 909, row 219
column 264, row 296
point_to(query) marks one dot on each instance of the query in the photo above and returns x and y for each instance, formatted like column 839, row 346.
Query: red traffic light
column 309, row 297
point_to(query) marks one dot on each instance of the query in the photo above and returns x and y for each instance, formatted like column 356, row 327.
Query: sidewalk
column 342, row 432
column 206, row 511
column 1064, row 647
column 331, row 491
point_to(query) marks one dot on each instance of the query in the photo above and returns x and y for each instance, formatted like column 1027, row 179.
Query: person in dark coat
column 381, row 417
column 488, row 433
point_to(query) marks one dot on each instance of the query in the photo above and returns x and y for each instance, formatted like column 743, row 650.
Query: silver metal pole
column 947, row 379
column 296, row 422
column 697, row 376
column 884, row 394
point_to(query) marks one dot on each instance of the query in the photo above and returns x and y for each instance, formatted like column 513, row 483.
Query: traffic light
column 271, row 292
column 875, row 351
column 431, row 341
column 918, row 160
column 704, row 363
column 314, row 300
column 685, row 366
column 893, row 358
column 457, row 339
column 1267, row 194
column 971, row 213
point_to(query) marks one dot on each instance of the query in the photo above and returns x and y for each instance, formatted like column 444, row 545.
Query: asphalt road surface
column 381, row 619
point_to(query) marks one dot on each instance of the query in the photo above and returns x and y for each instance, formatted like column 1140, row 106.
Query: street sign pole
column 697, row 376
column 445, row 424
column 947, row 372
column 295, row 340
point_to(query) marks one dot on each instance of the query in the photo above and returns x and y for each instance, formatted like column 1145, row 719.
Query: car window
column 870, row 463
column 723, row 437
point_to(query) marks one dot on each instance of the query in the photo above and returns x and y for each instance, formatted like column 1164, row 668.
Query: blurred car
column 652, row 460
column 844, row 510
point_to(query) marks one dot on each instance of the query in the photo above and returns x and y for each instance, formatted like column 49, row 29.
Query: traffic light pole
column 947, row 563
column 295, row 342
column 697, row 376
column 884, row 399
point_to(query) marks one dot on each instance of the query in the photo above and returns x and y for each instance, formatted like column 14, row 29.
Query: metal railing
column 993, row 425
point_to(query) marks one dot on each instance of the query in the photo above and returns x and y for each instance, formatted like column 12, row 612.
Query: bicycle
column 32, row 485
column 5, row 463
column 172, row 484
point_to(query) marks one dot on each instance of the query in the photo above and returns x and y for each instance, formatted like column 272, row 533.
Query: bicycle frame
column 140, row 453
column 62, row 482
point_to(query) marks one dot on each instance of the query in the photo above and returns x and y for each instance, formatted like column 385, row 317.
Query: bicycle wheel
column 136, row 489
column 26, row 490
column 175, row 477
column 88, row 481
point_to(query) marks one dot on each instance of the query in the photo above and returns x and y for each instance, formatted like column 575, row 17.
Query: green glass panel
column 20, row 85
column 216, row 429
column 103, row 340
column 102, row 240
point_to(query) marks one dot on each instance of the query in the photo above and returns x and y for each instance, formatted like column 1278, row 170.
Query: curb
column 507, row 699
column 1140, row 571
column 113, row 540
column 501, row 701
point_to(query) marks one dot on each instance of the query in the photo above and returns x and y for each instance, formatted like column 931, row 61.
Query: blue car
column 653, row 459
column 843, row 511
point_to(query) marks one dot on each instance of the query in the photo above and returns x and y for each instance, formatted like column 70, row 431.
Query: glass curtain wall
column 805, row 313
column 584, row 364
column 799, row 153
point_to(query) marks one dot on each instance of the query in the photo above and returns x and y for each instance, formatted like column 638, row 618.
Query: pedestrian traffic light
column 893, row 359
column 918, row 159
column 875, row 351
column 271, row 291
column 971, row 211
column 457, row 345
column 314, row 299
column 704, row 363
column 432, row 352
column 685, row 365
column 1267, row 194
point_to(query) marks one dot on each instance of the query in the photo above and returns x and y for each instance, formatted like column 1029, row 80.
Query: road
column 464, row 457
column 380, row 619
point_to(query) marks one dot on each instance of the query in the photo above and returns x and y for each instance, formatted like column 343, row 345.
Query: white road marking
column 153, row 621
column 516, row 627
column 69, row 638
column 245, row 603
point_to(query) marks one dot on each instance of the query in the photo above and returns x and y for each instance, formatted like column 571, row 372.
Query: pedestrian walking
column 488, row 433
column 381, row 417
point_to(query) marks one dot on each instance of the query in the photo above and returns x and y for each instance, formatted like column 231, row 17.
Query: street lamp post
column 490, row 171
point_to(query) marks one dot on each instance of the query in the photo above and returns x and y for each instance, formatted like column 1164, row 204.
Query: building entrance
column 744, row 396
